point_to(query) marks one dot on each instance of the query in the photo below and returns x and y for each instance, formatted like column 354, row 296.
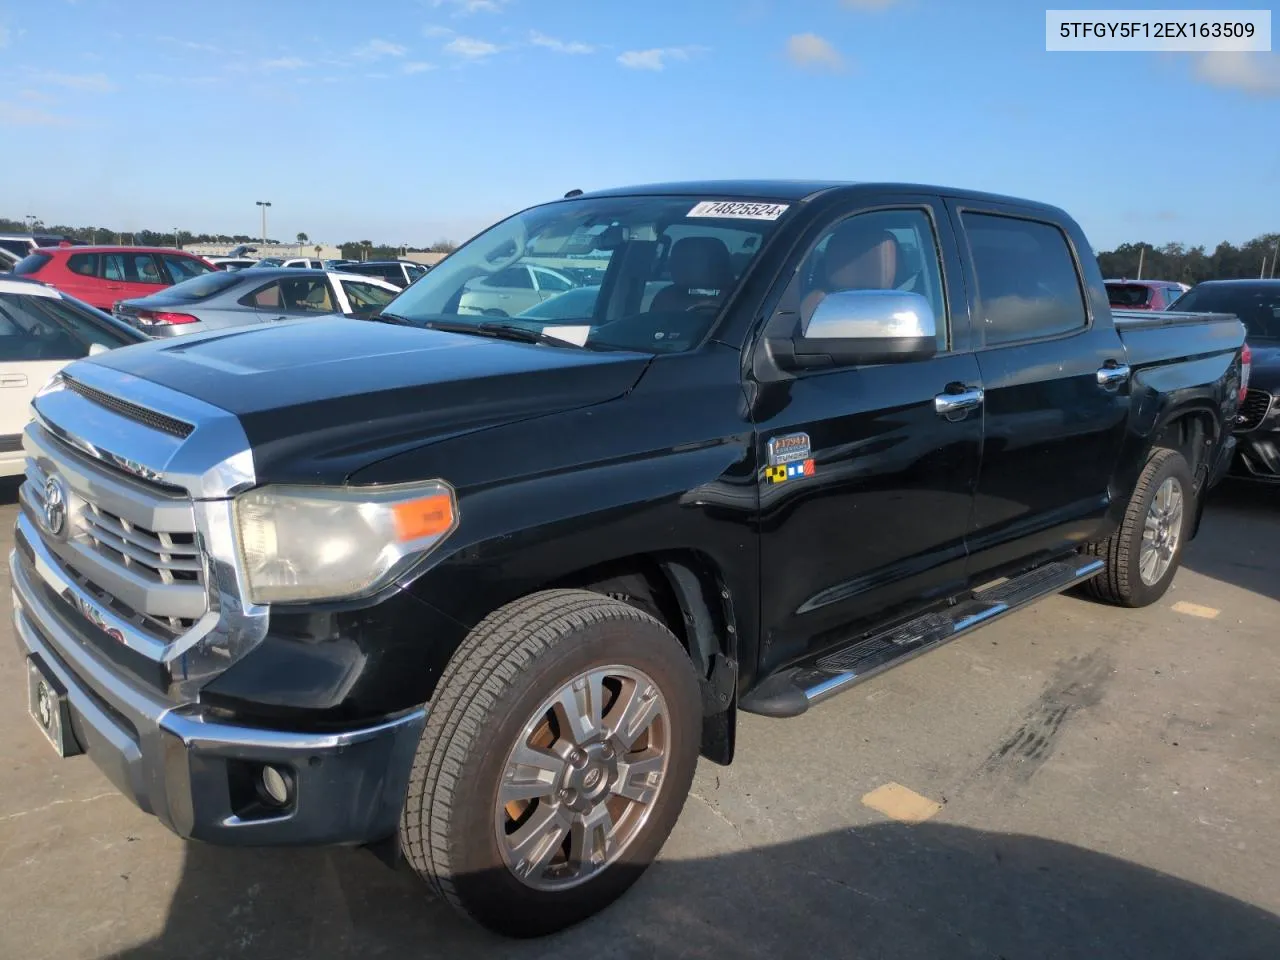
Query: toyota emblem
column 55, row 505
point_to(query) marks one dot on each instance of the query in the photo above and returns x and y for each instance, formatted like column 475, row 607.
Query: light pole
column 34, row 220
column 264, row 204
column 176, row 245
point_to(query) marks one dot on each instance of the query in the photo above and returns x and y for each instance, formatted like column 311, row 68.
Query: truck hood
column 319, row 399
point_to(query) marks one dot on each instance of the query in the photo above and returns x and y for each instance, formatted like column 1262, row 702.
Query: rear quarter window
column 32, row 263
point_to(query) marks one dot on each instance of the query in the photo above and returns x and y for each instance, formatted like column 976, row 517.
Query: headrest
column 701, row 263
column 859, row 257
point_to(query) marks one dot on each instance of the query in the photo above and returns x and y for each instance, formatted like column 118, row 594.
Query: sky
column 410, row 121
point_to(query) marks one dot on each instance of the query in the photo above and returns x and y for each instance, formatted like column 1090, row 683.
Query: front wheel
column 559, row 751
column 1143, row 556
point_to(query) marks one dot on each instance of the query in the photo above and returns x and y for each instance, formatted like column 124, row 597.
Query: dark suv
column 400, row 272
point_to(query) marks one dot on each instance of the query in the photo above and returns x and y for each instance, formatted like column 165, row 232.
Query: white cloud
column 1255, row 73
column 19, row 115
column 869, row 4
column 813, row 52
column 465, row 7
column 559, row 46
column 655, row 59
column 189, row 44
column 435, row 30
column 417, row 66
column 377, row 49
column 470, row 48
column 283, row 63
column 87, row 82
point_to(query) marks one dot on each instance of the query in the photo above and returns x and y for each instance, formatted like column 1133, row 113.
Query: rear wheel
column 560, row 748
column 1143, row 556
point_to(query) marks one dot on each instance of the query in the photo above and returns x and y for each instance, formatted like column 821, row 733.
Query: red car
column 102, row 275
column 1144, row 294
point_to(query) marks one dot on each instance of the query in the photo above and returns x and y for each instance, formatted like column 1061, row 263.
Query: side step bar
column 791, row 691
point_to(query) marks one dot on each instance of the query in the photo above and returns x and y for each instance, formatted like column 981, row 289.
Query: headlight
column 328, row 543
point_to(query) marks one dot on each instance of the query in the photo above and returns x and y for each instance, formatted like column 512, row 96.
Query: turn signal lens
column 428, row 517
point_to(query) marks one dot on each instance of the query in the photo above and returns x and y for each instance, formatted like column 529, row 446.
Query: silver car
column 261, row 295
column 512, row 291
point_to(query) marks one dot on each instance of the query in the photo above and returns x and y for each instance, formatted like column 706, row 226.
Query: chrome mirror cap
column 871, row 315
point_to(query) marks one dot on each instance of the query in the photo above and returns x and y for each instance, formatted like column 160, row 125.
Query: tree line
column 1190, row 265
column 1172, row 261
column 351, row 250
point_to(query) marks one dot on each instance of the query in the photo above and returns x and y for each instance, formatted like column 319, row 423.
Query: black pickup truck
column 477, row 590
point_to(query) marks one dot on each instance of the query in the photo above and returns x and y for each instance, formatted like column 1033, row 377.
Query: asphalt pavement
column 1073, row 781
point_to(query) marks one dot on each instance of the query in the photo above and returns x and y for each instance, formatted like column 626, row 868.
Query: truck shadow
column 928, row 891
column 1238, row 537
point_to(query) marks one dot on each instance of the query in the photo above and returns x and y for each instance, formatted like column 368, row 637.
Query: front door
column 1054, row 430
column 866, row 489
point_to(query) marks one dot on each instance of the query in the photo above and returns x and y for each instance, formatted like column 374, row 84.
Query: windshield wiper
column 395, row 318
column 498, row 330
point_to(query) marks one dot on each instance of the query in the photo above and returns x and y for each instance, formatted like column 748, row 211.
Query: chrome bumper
column 197, row 775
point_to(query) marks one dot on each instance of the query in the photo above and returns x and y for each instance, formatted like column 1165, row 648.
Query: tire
column 487, row 701
column 1122, row 581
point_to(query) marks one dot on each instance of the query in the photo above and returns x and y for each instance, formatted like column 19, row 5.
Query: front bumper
column 1258, row 456
column 199, row 775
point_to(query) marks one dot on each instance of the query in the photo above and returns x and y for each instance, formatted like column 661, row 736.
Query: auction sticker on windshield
column 739, row 210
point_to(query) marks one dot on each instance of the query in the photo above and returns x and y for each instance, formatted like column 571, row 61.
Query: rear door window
column 132, row 268
column 1028, row 285
column 83, row 264
column 307, row 295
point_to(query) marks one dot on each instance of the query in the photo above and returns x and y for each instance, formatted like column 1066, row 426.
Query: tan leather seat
column 701, row 272
column 858, row 257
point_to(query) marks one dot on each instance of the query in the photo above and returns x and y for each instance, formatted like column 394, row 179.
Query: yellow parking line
column 896, row 801
column 1195, row 610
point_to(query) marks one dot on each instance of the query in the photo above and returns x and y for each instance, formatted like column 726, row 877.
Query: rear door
column 872, row 524
column 1053, row 429
column 128, row 275
column 292, row 297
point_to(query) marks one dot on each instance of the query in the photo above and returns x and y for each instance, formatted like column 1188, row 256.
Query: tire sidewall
column 484, row 884
column 1173, row 465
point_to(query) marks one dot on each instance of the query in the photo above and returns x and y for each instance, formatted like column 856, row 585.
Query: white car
column 512, row 291
column 41, row 331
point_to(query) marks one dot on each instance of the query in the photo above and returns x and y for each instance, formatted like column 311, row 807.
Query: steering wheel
column 520, row 241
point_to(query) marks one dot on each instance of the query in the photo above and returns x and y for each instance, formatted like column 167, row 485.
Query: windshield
column 636, row 273
column 1256, row 304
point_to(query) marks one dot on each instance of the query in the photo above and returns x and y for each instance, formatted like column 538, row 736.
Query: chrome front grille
column 1254, row 409
column 128, row 544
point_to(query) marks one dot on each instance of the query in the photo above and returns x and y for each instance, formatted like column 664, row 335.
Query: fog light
column 277, row 784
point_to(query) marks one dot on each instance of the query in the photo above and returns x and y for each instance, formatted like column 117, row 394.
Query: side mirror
column 851, row 327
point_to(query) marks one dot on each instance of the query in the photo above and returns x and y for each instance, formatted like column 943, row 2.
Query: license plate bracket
column 48, row 706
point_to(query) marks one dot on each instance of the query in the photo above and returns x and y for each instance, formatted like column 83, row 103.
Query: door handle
column 1112, row 374
column 962, row 401
column 13, row 380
